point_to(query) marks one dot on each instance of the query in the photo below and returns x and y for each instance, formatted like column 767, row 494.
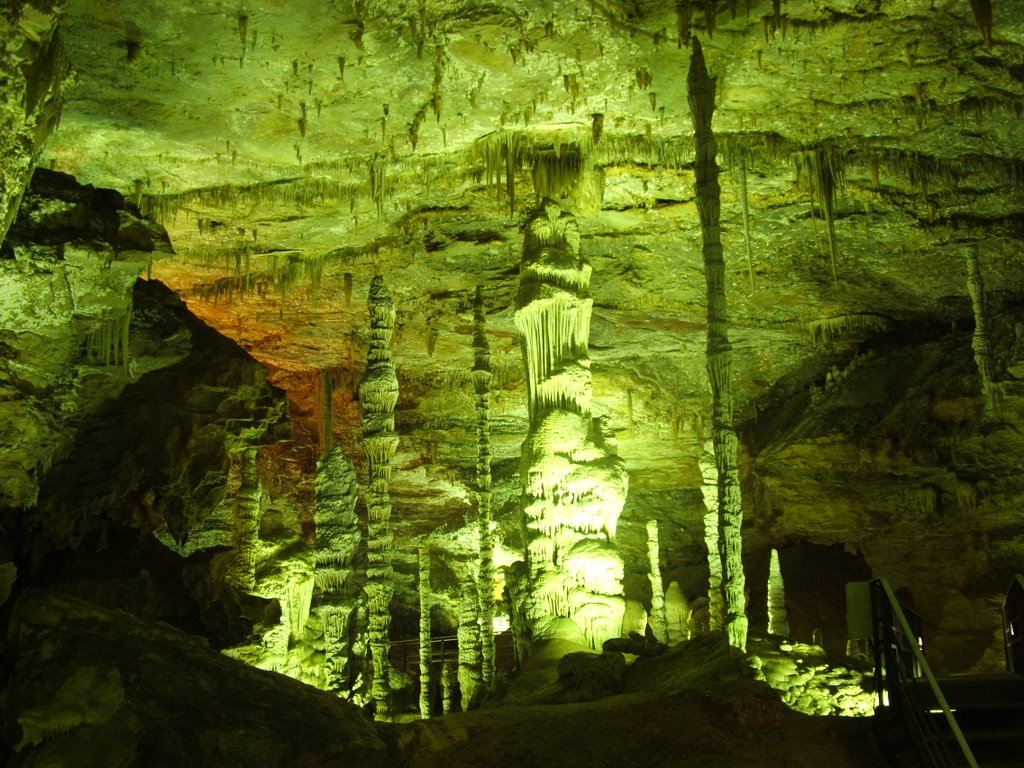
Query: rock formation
column 719, row 352
column 379, row 395
column 573, row 484
column 778, row 623
column 485, row 545
column 657, row 619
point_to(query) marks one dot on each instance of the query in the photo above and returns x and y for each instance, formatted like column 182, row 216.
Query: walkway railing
column 899, row 659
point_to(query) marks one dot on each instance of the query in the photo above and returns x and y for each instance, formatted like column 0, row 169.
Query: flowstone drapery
column 574, row 486
column 379, row 395
column 981, row 342
column 701, row 95
column 485, row 576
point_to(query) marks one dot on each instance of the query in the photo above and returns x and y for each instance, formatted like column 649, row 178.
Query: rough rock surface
column 867, row 148
column 92, row 687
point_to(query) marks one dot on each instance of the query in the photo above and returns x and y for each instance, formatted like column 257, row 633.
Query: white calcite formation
column 574, row 486
column 379, row 395
column 657, row 617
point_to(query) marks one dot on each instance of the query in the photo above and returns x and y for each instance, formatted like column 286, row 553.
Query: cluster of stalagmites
column 570, row 585
column 379, row 395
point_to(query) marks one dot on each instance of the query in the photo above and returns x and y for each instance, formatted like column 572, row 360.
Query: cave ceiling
column 294, row 149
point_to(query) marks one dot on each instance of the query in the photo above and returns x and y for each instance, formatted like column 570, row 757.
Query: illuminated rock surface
column 292, row 152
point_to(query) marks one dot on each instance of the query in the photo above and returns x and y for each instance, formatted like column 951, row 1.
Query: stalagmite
column 677, row 615
column 778, row 623
column 574, row 486
column 468, row 633
column 657, row 620
column 719, row 352
column 709, row 489
column 981, row 342
column 378, row 393
column 336, row 597
column 485, row 570
column 245, row 523
column 447, row 688
column 426, row 598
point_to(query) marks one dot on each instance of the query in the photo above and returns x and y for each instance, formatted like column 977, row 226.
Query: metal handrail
column 886, row 638
column 1013, row 625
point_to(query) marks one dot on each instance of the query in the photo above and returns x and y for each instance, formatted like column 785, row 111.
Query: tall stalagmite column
column 719, row 352
column 335, row 597
column 426, row 598
column 379, row 395
column 485, row 579
column 981, row 343
column 574, row 486
column 468, row 632
column 709, row 489
column 245, row 523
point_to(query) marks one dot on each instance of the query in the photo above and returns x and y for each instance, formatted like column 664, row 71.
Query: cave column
column 485, row 564
column 701, row 95
column 378, row 393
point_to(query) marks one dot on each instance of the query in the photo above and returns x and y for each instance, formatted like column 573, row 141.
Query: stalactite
column 378, row 393
column 426, row 600
column 828, row 329
column 778, row 623
column 245, row 523
column 378, row 174
column 825, row 169
column 657, row 620
column 746, row 217
column 701, row 96
column 981, row 342
column 574, row 486
column 485, row 569
column 326, row 412
column 983, row 18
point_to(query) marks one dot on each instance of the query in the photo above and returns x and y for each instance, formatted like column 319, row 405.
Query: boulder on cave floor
column 94, row 687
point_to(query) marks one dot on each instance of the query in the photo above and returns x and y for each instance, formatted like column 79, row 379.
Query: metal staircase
column 963, row 720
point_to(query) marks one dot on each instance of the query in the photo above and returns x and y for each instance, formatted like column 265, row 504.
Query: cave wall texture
column 257, row 165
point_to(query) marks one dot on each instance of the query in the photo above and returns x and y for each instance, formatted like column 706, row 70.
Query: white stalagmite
column 574, row 486
column 778, row 623
column 982, row 339
column 701, row 95
column 426, row 598
column 485, row 569
column 379, row 395
column 657, row 620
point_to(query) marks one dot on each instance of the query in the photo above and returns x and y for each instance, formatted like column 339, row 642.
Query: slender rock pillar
column 245, row 523
column 379, row 395
column 701, row 94
column 574, row 486
column 981, row 343
column 426, row 598
column 485, row 578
